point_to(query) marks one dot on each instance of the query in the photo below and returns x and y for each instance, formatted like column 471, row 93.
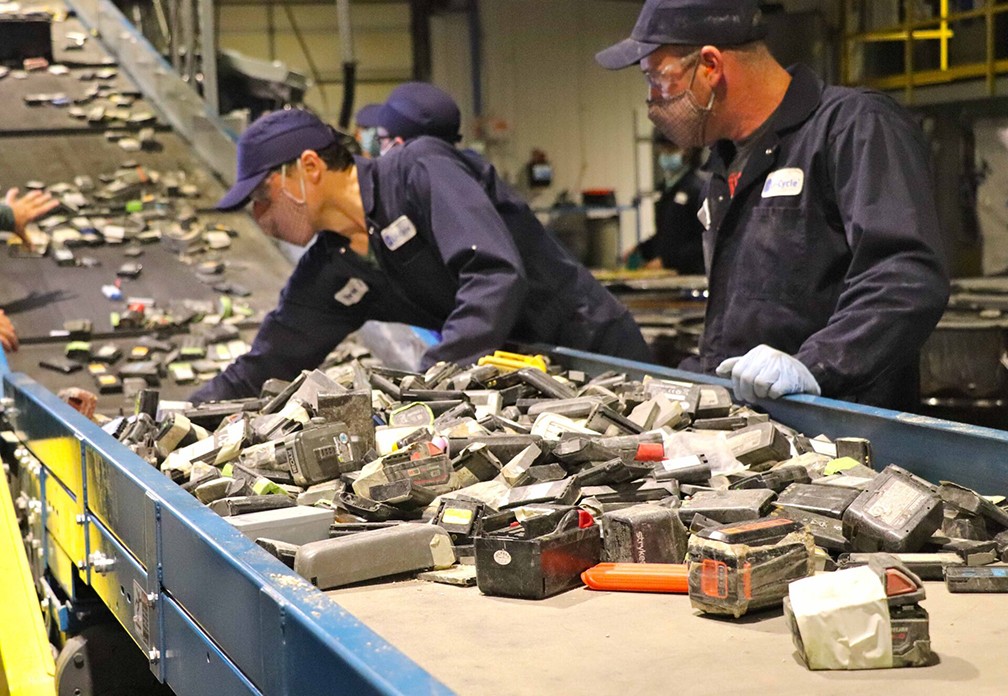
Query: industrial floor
column 627, row 643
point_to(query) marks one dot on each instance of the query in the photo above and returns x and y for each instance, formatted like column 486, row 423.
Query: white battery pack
column 295, row 525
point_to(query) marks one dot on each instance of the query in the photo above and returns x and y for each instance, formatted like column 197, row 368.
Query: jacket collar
column 366, row 173
column 801, row 99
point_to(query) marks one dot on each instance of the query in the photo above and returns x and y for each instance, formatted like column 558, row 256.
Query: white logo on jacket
column 784, row 182
column 352, row 293
column 398, row 233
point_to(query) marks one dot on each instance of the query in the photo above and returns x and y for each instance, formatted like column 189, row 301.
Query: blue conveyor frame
column 216, row 614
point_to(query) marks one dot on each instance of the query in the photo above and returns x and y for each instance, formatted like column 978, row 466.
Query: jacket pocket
column 772, row 255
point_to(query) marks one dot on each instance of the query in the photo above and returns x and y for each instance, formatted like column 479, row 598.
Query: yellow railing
column 946, row 28
column 25, row 656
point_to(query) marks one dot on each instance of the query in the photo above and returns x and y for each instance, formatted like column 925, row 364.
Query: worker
column 366, row 120
column 822, row 247
column 15, row 214
column 415, row 237
column 418, row 108
column 677, row 243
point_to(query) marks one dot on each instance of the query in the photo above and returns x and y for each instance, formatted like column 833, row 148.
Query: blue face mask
column 670, row 162
column 369, row 142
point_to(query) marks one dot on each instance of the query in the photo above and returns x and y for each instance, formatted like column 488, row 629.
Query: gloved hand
column 766, row 371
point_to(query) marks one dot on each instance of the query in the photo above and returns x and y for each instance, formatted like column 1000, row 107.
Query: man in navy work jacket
column 414, row 237
column 822, row 245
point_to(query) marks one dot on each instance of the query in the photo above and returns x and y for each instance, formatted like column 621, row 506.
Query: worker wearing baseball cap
column 823, row 253
column 412, row 237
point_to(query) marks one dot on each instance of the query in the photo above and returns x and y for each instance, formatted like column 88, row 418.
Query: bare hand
column 28, row 207
column 81, row 399
column 7, row 334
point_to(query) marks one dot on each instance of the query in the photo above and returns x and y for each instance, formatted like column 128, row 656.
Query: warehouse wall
column 381, row 36
column 542, row 89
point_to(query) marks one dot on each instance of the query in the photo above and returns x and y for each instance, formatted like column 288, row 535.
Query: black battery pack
column 911, row 636
column 735, row 578
column 462, row 519
column 776, row 479
column 728, row 506
column 758, row 444
column 643, row 534
column 926, row 566
column 827, row 531
column 898, row 512
column 977, row 579
column 511, row 563
column 829, row 501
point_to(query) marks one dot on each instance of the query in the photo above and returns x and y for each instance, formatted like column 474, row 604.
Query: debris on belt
column 536, row 474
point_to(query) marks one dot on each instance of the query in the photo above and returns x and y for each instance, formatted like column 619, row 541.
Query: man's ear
column 312, row 165
column 711, row 64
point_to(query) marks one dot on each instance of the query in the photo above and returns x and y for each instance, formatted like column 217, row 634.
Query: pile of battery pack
column 529, row 480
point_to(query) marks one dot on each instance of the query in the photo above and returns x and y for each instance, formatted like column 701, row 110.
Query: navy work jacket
column 678, row 237
column 830, row 249
column 455, row 249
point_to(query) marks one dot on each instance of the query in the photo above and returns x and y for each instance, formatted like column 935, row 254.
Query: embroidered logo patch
column 784, row 182
column 398, row 233
column 352, row 293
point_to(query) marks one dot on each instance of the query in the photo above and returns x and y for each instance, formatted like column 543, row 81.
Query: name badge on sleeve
column 784, row 182
column 398, row 233
column 352, row 293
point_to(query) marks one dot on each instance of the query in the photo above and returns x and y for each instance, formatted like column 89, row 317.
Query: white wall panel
column 540, row 77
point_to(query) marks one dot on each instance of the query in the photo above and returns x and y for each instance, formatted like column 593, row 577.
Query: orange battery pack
column 638, row 577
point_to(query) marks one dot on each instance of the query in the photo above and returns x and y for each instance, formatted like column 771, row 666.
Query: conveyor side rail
column 214, row 612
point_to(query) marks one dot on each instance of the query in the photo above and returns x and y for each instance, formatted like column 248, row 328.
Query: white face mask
column 680, row 118
column 287, row 217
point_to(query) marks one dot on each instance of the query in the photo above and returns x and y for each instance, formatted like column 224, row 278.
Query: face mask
column 680, row 118
column 369, row 142
column 670, row 162
column 287, row 217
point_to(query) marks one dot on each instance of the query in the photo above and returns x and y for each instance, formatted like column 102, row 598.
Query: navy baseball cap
column 368, row 116
column 269, row 142
column 420, row 108
column 686, row 23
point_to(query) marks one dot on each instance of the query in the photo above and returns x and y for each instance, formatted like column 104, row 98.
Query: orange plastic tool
column 638, row 577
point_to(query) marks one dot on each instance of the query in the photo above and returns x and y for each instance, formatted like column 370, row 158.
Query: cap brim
column 624, row 54
column 239, row 194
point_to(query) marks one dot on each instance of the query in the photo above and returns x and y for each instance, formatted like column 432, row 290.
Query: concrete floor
column 626, row 643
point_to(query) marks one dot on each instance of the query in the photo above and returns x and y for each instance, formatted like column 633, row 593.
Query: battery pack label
column 745, row 441
column 459, row 516
column 897, row 503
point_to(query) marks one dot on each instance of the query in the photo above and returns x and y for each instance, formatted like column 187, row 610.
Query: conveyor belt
column 92, row 54
column 59, row 157
column 18, row 117
column 629, row 643
column 43, row 143
column 40, row 295
column 27, row 360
